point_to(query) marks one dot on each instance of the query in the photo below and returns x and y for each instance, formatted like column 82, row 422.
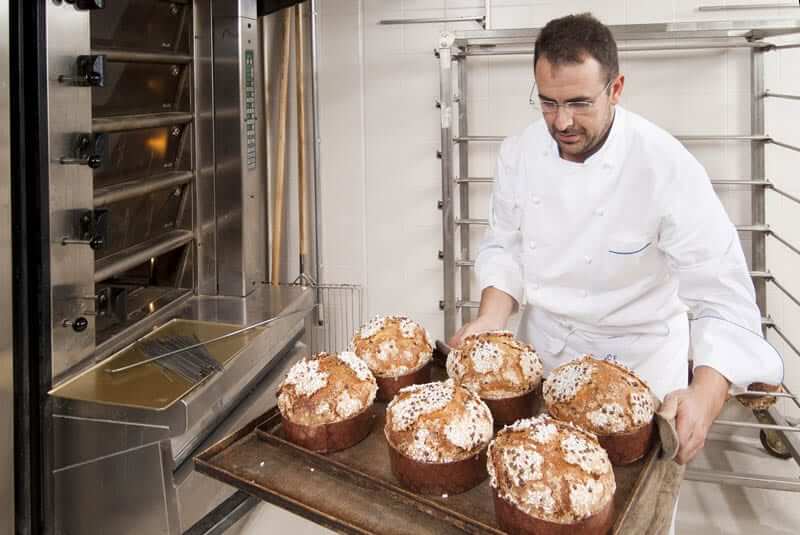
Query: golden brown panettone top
column 438, row 422
column 326, row 388
column 551, row 470
column 760, row 403
column 393, row 345
column 602, row 396
column 495, row 365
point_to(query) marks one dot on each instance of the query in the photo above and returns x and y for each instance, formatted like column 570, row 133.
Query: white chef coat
column 612, row 253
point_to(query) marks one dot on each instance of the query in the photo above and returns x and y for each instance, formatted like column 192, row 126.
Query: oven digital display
column 250, row 107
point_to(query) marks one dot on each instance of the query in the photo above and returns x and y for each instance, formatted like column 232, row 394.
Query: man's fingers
column 669, row 408
column 456, row 339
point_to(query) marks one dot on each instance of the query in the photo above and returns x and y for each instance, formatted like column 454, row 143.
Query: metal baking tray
column 353, row 491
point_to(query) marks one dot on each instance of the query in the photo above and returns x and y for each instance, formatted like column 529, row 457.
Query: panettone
column 550, row 476
column 325, row 401
column 437, row 434
column 397, row 350
column 502, row 370
column 606, row 398
column 760, row 403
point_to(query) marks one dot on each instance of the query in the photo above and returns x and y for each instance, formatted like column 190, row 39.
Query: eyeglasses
column 573, row 107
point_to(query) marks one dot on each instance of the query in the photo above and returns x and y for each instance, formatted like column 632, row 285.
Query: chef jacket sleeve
column 498, row 262
column 705, row 254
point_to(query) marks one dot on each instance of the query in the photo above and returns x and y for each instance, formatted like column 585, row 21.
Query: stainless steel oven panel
column 146, row 25
column 122, row 494
column 143, row 153
column 196, row 493
column 69, row 114
column 142, row 218
column 240, row 193
column 142, row 87
column 204, row 202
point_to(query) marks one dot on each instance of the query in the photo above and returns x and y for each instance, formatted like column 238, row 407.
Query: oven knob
column 78, row 324
column 89, row 72
column 88, row 4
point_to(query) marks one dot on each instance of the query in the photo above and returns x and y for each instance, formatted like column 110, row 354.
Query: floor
column 703, row 509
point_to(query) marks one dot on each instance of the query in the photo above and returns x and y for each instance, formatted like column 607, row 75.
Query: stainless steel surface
column 316, row 151
column 448, row 209
column 785, row 291
column 749, row 29
column 463, row 188
column 434, row 20
column 205, row 218
column 755, row 425
column 785, row 339
column 239, row 148
column 129, row 56
column 139, row 254
column 69, row 113
column 785, row 145
column 237, row 332
column 758, row 257
column 122, row 440
column 740, row 7
column 769, row 93
column 138, row 122
column 622, row 48
column 342, row 308
column 198, row 493
column 688, row 138
column 6, row 305
column 787, row 244
column 82, row 507
column 743, row 480
column 139, row 188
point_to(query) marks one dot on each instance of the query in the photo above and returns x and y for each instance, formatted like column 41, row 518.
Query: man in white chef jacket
column 611, row 231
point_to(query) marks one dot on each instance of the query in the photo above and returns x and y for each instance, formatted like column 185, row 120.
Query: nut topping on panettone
column 392, row 345
column 495, row 365
column 326, row 388
column 550, row 470
column 438, row 422
column 602, row 396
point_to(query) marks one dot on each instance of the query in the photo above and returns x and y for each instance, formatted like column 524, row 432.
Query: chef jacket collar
column 608, row 155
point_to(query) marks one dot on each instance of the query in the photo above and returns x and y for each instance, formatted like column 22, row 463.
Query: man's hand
column 695, row 409
column 496, row 307
column 482, row 324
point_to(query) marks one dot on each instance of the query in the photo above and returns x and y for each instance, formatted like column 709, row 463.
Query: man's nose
column 563, row 118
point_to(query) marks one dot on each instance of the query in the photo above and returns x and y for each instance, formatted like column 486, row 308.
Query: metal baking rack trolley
column 779, row 436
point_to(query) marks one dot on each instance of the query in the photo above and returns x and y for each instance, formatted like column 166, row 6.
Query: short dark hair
column 570, row 39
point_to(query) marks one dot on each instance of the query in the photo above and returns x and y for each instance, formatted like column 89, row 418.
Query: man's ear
column 616, row 89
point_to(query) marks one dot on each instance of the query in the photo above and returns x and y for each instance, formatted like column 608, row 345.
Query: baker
column 611, row 231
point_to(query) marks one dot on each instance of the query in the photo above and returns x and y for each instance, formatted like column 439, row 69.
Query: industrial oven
column 156, row 137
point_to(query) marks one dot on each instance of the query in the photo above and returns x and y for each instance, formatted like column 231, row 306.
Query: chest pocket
column 628, row 257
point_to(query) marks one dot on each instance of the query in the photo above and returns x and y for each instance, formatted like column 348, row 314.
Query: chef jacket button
column 599, row 211
column 588, row 259
column 535, row 285
column 532, row 245
column 585, row 293
column 536, row 200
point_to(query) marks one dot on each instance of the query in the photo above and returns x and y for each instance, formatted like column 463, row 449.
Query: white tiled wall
column 381, row 179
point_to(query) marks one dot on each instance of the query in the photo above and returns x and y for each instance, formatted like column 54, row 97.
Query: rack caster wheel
column 773, row 444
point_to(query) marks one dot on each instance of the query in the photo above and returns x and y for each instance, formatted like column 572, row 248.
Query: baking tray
column 353, row 491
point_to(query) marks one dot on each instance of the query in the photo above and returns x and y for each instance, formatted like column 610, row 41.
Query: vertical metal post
column 316, row 152
column 758, row 172
column 487, row 21
column 463, row 188
column 6, row 309
column 448, row 303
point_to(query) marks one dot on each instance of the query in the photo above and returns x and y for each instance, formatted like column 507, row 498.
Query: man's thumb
column 669, row 408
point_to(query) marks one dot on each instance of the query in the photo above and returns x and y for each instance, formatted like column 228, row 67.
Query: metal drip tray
column 150, row 386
